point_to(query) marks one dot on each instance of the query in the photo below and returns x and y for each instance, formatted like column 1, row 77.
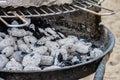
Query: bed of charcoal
column 42, row 48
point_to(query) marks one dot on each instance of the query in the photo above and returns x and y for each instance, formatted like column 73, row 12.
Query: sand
column 113, row 23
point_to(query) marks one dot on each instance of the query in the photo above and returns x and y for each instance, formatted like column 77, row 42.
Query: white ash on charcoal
column 20, row 41
column 13, row 65
column 96, row 52
column 24, row 48
column 1, row 39
column 66, row 63
column 44, row 32
column 2, row 36
column 82, row 47
column 61, row 35
column 9, row 41
column 2, row 79
column 18, row 56
column 14, row 22
column 52, row 45
column 62, row 52
column 30, row 39
column 32, row 26
column 47, row 60
column 33, row 59
column 52, row 68
column 76, row 59
column 58, row 58
column 17, row 32
column 8, row 51
column 29, row 33
column 35, row 48
column 3, row 61
column 42, row 50
column 50, row 31
column 31, row 68
column 15, row 46
column 43, row 40
column 67, row 40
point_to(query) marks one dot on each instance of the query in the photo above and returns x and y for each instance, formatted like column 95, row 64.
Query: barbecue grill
column 81, row 18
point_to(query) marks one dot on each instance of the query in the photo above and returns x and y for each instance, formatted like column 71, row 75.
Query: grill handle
column 110, row 12
column 25, row 23
column 92, row 3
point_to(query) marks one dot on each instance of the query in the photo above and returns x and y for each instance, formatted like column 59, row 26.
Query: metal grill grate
column 37, row 12
column 22, row 13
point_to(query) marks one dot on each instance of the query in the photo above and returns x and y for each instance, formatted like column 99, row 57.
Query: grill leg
column 99, row 75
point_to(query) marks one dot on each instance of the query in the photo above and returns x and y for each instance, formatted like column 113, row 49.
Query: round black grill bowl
column 106, row 43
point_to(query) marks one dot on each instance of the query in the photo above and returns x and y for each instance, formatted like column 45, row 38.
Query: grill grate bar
column 43, row 12
column 4, row 13
column 29, row 12
column 21, row 13
column 36, row 11
column 40, row 11
column 51, row 10
column 66, row 8
column 58, row 10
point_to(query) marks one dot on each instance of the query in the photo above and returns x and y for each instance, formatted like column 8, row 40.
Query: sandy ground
column 113, row 23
